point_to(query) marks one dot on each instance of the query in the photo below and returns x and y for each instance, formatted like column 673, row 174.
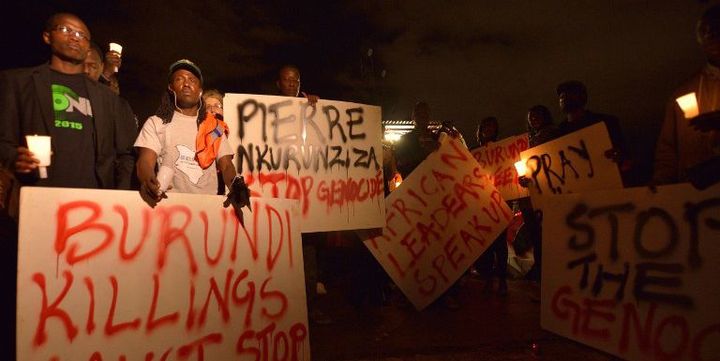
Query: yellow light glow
column 688, row 104
column 395, row 181
column 392, row 137
column 521, row 167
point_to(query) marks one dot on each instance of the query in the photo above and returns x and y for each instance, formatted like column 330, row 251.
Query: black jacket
column 26, row 108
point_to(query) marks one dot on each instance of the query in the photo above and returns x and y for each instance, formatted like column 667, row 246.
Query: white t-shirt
column 174, row 143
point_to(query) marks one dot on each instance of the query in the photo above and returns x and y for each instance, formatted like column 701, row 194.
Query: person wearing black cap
column 572, row 97
column 169, row 139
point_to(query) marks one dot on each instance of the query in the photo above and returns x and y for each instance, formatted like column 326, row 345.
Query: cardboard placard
column 439, row 221
column 329, row 157
column 498, row 159
column 102, row 276
column 573, row 163
column 632, row 272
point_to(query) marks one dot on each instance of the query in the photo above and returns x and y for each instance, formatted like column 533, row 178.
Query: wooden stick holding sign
column 632, row 271
column 102, row 276
column 573, row 163
column 438, row 222
column 328, row 157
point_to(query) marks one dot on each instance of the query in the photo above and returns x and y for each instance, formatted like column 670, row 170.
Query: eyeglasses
column 218, row 106
column 74, row 33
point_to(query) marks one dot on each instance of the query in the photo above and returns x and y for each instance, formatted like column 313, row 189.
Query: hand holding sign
column 150, row 191
column 312, row 98
column 239, row 197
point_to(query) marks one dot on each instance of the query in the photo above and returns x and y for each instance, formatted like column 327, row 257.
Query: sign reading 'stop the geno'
column 329, row 157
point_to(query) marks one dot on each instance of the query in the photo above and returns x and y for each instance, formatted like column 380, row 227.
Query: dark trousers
column 310, row 244
column 494, row 261
column 533, row 225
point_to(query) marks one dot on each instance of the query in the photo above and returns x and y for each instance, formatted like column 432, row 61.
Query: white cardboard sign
column 633, row 272
column 439, row 221
column 498, row 159
column 329, row 157
column 102, row 276
column 573, row 163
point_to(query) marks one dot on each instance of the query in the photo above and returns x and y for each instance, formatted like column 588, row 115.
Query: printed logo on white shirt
column 187, row 164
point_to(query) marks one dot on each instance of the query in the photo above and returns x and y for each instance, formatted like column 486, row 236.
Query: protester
column 680, row 146
column 92, row 144
column 540, row 126
column 93, row 65
column 411, row 150
column 540, row 130
column 572, row 98
column 213, row 100
column 487, row 131
column 288, row 83
column 493, row 262
column 109, row 76
column 448, row 128
column 183, row 136
column 91, row 136
column 414, row 146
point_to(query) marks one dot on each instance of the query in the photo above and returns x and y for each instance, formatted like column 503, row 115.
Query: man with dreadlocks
column 185, row 137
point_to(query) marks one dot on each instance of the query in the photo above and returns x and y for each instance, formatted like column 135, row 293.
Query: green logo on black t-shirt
column 67, row 102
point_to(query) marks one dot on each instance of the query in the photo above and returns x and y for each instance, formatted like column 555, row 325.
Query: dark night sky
column 468, row 59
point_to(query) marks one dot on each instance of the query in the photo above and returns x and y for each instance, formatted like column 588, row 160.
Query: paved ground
column 486, row 327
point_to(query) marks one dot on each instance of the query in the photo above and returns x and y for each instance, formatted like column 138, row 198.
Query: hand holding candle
column 39, row 145
column 117, row 48
column 521, row 168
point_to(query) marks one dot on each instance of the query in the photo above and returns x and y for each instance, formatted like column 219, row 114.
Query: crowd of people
column 688, row 150
column 97, row 141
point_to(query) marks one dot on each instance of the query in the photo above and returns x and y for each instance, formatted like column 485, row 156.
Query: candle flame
column 521, row 167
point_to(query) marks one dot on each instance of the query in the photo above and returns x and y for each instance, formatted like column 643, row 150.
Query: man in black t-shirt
column 73, row 129
column 92, row 130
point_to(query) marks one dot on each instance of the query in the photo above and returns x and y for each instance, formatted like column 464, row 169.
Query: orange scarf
column 207, row 142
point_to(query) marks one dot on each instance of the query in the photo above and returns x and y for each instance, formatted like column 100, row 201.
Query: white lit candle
column 688, row 104
column 164, row 176
column 116, row 48
column 40, row 146
column 521, row 168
